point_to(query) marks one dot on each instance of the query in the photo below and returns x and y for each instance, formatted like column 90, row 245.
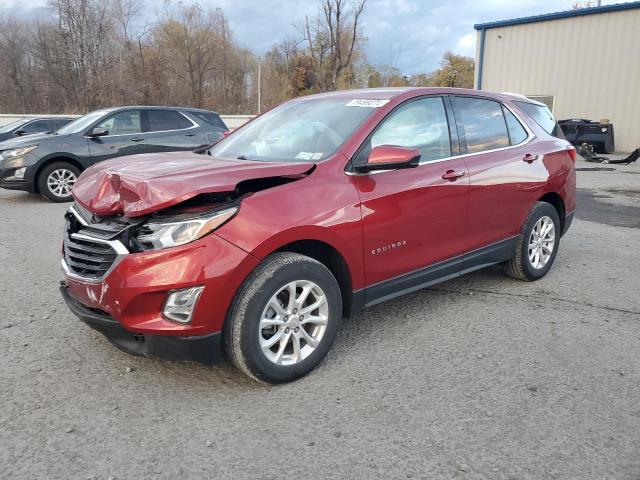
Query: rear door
column 170, row 131
column 413, row 218
column 506, row 171
column 124, row 138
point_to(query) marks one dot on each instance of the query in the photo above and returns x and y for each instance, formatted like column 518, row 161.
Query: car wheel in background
column 283, row 319
column 56, row 180
column 537, row 245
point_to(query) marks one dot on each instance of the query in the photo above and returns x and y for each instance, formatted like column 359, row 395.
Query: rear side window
column 483, row 124
column 211, row 118
column 517, row 133
column 542, row 116
column 421, row 124
column 162, row 120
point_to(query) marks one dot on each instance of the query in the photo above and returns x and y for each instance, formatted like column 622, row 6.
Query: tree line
column 90, row 54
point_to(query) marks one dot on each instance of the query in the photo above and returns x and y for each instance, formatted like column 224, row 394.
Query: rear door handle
column 453, row 175
column 530, row 158
column 137, row 139
column 189, row 134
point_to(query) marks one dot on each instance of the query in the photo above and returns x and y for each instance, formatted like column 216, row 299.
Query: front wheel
column 537, row 244
column 283, row 319
column 56, row 180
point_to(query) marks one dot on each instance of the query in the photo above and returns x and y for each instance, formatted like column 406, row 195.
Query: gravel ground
column 481, row 377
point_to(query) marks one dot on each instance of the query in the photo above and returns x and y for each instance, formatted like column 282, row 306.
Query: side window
column 543, row 117
column 122, row 123
column 482, row 122
column 421, row 124
column 211, row 118
column 162, row 120
column 60, row 123
column 37, row 126
column 517, row 133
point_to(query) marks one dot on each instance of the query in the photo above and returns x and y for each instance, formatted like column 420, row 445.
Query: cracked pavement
column 483, row 377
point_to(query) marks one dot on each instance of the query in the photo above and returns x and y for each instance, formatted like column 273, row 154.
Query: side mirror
column 98, row 132
column 390, row 157
column 19, row 132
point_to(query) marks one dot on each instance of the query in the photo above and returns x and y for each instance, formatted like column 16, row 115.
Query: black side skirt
column 436, row 273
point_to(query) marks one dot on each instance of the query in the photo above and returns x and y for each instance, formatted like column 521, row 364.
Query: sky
column 411, row 35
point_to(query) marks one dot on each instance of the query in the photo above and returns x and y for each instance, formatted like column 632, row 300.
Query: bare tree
column 332, row 37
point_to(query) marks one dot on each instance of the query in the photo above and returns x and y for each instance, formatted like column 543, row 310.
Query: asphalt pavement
column 483, row 377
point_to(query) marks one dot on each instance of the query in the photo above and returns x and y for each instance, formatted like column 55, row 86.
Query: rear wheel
column 56, row 180
column 284, row 318
column 537, row 244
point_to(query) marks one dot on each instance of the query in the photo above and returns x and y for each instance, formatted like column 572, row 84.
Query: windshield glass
column 10, row 126
column 81, row 123
column 302, row 130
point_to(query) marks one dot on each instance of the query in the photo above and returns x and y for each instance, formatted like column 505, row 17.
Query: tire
column 66, row 175
column 245, row 331
column 521, row 266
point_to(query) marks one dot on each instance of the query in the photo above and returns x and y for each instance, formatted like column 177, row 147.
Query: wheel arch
column 331, row 258
column 556, row 202
column 48, row 161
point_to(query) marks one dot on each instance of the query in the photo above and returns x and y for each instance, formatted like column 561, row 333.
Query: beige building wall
column 590, row 64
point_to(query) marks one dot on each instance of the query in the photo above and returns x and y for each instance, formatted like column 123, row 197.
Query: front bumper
column 206, row 349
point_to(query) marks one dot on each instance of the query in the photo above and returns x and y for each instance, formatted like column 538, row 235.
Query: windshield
column 82, row 123
column 10, row 126
column 301, row 130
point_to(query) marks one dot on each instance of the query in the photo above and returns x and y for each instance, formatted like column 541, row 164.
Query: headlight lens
column 155, row 235
column 18, row 152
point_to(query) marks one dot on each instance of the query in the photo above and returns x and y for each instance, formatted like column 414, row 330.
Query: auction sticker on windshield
column 367, row 103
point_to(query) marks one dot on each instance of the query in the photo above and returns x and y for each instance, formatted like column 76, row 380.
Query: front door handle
column 529, row 158
column 453, row 175
column 137, row 139
column 189, row 134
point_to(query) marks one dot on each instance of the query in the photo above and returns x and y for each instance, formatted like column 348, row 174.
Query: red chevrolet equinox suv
column 260, row 245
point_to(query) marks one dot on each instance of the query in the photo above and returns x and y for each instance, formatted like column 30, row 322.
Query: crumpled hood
column 26, row 140
column 142, row 184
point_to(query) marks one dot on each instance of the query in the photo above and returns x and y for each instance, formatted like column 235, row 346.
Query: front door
column 414, row 219
column 124, row 137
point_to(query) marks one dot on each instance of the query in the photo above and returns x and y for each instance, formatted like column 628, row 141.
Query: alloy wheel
column 541, row 242
column 60, row 182
column 293, row 322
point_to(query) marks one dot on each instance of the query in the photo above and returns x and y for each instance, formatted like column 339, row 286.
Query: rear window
column 211, row 118
column 542, row 116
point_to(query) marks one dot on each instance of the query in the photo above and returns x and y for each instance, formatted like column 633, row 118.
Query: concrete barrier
column 232, row 121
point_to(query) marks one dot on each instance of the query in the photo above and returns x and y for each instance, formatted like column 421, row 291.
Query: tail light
column 572, row 153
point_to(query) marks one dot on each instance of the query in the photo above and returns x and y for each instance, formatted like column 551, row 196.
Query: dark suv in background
column 51, row 163
column 29, row 126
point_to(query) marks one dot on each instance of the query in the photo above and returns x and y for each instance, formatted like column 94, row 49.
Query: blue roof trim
column 557, row 15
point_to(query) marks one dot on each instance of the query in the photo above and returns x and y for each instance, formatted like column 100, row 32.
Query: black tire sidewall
column 540, row 210
column 255, row 360
column 44, row 174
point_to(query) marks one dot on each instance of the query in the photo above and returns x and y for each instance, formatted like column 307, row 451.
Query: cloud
column 409, row 34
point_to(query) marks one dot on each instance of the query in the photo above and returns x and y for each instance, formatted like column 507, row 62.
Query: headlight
column 156, row 235
column 18, row 152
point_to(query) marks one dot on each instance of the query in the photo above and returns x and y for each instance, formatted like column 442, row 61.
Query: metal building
column 582, row 63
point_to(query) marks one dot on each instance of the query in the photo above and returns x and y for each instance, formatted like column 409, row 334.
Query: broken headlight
column 157, row 234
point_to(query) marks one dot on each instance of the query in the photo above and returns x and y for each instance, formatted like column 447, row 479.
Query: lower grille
column 88, row 258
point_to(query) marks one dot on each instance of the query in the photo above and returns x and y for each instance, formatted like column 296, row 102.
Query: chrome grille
column 90, row 250
column 86, row 258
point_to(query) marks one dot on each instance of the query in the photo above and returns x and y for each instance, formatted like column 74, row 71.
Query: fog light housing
column 180, row 304
column 19, row 173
